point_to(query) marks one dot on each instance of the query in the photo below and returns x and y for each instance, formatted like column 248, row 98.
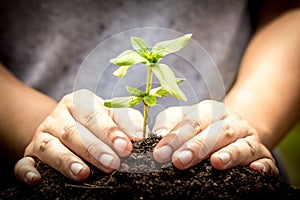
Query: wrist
column 247, row 105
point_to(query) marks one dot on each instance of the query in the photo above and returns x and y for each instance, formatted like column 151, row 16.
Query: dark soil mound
column 140, row 177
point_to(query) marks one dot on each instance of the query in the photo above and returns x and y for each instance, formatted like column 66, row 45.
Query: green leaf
column 121, row 71
column 152, row 57
column 150, row 100
column 139, row 45
column 179, row 80
column 170, row 46
column 135, row 91
column 168, row 80
column 128, row 58
column 161, row 92
column 134, row 100
column 123, row 102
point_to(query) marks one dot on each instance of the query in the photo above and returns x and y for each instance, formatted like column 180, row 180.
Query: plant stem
column 146, row 107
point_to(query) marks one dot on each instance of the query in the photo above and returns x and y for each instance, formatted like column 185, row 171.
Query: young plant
column 150, row 58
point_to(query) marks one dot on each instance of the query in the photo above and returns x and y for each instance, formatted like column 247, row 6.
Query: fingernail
column 185, row 157
column 29, row 176
column 121, row 146
column 225, row 157
column 164, row 152
column 161, row 132
column 76, row 168
column 108, row 161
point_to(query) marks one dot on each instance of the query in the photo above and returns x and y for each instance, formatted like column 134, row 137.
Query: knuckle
column 213, row 110
column 244, row 123
column 68, row 132
column 46, row 125
column 173, row 140
column 67, row 99
column 43, row 144
column 251, row 131
column 61, row 159
column 229, row 130
column 252, row 147
column 195, row 125
column 107, row 133
column 92, row 150
column 237, row 151
column 90, row 118
column 201, row 145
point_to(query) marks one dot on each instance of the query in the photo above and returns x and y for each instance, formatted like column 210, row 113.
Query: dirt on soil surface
column 140, row 177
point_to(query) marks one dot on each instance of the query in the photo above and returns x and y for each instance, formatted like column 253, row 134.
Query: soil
column 140, row 177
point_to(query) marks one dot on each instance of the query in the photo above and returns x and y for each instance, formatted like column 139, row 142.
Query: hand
column 209, row 129
column 80, row 127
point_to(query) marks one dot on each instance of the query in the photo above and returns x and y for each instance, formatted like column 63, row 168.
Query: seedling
column 150, row 58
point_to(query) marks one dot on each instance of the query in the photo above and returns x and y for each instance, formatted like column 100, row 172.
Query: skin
column 242, row 130
column 78, row 128
column 15, row 95
column 61, row 134
column 261, row 107
column 17, row 129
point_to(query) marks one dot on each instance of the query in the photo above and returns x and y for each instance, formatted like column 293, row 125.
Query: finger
column 241, row 152
column 130, row 121
column 25, row 171
column 214, row 137
column 165, row 148
column 88, row 109
column 168, row 119
column 50, row 150
column 266, row 165
column 85, row 144
column 96, row 152
column 196, row 119
column 203, row 113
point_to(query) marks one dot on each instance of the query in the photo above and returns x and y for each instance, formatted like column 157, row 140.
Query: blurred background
column 289, row 148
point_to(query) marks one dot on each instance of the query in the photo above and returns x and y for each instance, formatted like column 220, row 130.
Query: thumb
column 25, row 171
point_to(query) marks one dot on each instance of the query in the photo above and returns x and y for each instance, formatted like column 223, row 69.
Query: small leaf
column 128, row 58
column 168, row 80
column 135, row 91
column 139, row 45
column 135, row 100
column 170, row 46
column 159, row 92
column 150, row 100
column 121, row 71
column 123, row 102
column 179, row 80
column 152, row 57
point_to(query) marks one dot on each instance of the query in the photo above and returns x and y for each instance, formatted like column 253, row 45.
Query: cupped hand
column 80, row 128
column 209, row 129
